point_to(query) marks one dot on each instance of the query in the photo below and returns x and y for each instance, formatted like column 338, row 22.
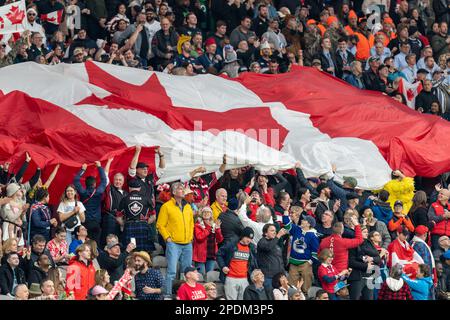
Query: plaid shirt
column 387, row 294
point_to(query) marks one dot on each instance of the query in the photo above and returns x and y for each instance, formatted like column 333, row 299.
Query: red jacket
column 201, row 241
column 80, row 278
column 441, row 228
column 340, row 247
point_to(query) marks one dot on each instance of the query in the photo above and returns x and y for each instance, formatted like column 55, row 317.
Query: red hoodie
column 340, row 246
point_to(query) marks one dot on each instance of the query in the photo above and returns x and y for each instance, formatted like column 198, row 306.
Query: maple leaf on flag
column 151, row 98
column 15, row 15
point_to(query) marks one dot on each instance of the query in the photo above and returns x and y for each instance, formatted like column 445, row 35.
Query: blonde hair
column 7, row 245
column 210, row 285
column 348, row 214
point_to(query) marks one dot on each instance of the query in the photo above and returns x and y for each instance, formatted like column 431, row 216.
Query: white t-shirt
column 66, row 207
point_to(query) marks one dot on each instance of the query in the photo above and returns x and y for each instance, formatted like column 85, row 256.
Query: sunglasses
column 32, row 14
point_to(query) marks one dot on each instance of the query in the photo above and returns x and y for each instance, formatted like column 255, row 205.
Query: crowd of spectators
column 371, row 44
column 234, row 234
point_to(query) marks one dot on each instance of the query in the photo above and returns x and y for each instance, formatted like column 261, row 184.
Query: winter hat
column 311, row 221
column 332, row 19
column 388, row 20
column 247, row 232
column 311, row 21
column 264, row 45
column 421, row 230
column 351, row 196
column 233, row 204
column 11, row 189
column 210, row 41
column 352, row 14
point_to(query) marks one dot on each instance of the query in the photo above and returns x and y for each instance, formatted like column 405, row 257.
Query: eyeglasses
column 32, row 15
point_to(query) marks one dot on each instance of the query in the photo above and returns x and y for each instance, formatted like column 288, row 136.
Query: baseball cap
column 98, row 290
column 398, row 203
column 316, row 62
column 351, row 181
column 141, row 165
column 372, row 59
column 311, row 221
column 421, row 70
column 420, row 230
column 189, row 269
column 112, row 244
column 340, row 285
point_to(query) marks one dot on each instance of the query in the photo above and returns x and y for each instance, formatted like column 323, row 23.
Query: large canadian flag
column 13, row 18
column 54, row 17
column 71, row 114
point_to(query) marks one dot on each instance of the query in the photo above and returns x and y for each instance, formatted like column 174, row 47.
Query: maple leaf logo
column 151, row 98
column 15, row 15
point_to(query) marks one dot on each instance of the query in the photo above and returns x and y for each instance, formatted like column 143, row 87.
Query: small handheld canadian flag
column 54, row 17
column 13, row 17
column 409, row 91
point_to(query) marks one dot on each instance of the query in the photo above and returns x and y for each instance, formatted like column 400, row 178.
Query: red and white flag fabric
column 410, row 91
column 72, row 114
column 54, row 17
column 13, row 18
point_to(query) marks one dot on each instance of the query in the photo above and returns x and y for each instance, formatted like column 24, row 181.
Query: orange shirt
column 362, row 47
column 239, row 263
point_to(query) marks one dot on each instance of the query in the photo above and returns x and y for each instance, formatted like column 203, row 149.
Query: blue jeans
column 204, row 268
column 176, row 253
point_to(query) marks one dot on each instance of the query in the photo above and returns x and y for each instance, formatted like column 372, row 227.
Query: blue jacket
column 304, row 245
column 420, row 288
column 93, row 205
column 40, row 220
column 381, row 210
column 339, row 193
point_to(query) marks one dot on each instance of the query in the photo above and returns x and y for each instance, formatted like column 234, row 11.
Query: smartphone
column 133, row 241
column 313, row 204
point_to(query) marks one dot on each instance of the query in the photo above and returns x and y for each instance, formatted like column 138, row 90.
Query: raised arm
column 76, row 180
column 23, row 168
column 162, row 160
column 135, row 159
column 51, row 177
column 103, row 180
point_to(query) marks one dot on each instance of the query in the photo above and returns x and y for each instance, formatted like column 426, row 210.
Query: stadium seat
column 212, row 276
column 312, row 292
column 160, row 261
